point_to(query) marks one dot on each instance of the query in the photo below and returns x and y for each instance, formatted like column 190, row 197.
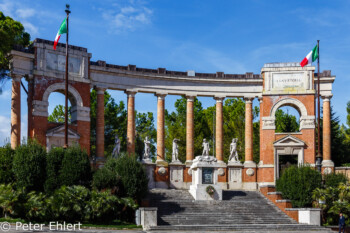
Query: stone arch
column 73, row 94
column 298, row 105
column 306, row 121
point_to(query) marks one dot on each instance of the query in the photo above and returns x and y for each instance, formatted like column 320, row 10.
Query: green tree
column 298, row 183
column 6, row 158
column 11, row 33
column 145, row 128
column 58, row 116
column 75, row 168
column 29, row 165
column 285, row 122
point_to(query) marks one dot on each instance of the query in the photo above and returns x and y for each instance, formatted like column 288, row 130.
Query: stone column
column 327, row 161
column 219, row 129
column 248, row 130
column 100, row 123
column 16, row 111
column 189, row 130
column 160, row 128
column 131, row 122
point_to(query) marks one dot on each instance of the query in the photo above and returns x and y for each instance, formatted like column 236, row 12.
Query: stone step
column 242, row 227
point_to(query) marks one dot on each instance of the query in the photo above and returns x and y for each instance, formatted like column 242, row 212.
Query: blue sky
column 201, row 35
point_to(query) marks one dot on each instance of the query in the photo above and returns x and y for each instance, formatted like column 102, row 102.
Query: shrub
column 105, row 178
column 103, row 207
column 38, row 207
column 333, row 179
column 29, row 165
column 132, row 174
column 6, row 158
column 53, row 166
column 69, row 203
column 75, row 168
column 8, row 199
column 297, row 184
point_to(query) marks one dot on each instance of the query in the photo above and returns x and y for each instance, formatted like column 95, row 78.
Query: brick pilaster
column 100, row 124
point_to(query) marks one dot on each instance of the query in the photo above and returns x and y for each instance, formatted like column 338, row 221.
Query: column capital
column 326, row 98
column 190, row 98
column 16, row 77
column 131, row 93
column 100, row 90
column 219, row 99
column 248, row 99
column 160, row 96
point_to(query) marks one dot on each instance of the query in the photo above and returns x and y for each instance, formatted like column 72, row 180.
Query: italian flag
column 310, row 57
column 62, row 30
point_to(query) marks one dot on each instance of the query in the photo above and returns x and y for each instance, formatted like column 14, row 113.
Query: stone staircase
column 239, row 211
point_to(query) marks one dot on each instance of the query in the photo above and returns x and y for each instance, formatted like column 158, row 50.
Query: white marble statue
column 116, row 150
column 206, row 148
column 175, row 154
column 233, row 151
column 147, row 152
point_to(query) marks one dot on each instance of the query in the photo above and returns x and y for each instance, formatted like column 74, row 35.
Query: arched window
column 56, row 108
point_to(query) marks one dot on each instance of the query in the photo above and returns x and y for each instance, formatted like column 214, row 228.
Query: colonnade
column 161, row 130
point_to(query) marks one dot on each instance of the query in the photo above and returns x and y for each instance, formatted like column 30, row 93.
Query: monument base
column 199, row 192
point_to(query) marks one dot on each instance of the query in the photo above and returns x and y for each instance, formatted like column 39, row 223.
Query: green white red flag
column 62, row 30
column 310, row 57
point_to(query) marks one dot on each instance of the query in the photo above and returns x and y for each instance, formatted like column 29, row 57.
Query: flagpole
column 319, row 154
column 66, row 89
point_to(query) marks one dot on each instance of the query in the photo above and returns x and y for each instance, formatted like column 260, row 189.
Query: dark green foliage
column 75, row 168
column 286, row 122
column 132, row 174
column 145, row 128
column 69, row 203
column 297, row 184
column 105, row 178
column 53, row 166
column 58, row 114
column 333, row 179
column 6, row 158
column 29, row 165
column 11, row 33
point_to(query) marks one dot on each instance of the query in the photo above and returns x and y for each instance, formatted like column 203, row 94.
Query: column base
column 249, row 176
column 327, row 167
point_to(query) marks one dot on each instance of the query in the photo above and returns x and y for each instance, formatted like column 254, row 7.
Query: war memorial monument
column 278, row 85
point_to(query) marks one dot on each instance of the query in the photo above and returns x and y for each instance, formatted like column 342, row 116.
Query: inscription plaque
column 207, row 175
column 286, row 80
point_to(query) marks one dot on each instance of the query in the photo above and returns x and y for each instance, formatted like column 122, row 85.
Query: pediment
column 289, row 141
column 59, row 132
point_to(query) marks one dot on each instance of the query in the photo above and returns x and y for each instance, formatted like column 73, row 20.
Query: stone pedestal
column 150, row 167
column 205, row 172
column 235, row 175
column 176, row 175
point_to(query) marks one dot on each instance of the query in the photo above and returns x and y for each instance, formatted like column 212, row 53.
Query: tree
column 286, row 123
column 11, row 33
column 145, row 128
column 58, row 114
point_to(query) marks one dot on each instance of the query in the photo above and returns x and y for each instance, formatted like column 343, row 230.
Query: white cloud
column 33, row 30
column 129, row 17
column 5, row 130
column 25, row 13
